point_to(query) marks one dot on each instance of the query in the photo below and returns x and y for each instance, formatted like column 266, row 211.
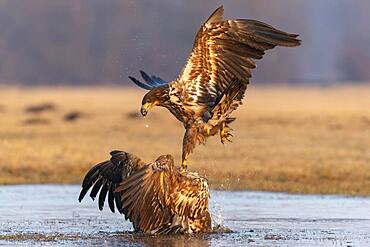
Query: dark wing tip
column 139, row 83
column 216, row 16
column 90, row 178
column 158, row 80
column 299, row 41
column 102, row 196
column 95, row 189
column 82, row 195
column 148, row 79
column 117, row 157
column 111, row 200
column 144, row 75
column 266, row 34
column 115, row 152
column 293, row 38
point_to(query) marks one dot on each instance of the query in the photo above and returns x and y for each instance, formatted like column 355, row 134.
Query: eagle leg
column 188, row 144
column 225, row 133
column 183, row 163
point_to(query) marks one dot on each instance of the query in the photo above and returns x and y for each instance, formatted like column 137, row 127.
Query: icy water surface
column 50, row 215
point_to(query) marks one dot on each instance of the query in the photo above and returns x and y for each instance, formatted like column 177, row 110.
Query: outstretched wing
column 150, row 81
column 158, row 199
column 106, row 177
column 223, row 51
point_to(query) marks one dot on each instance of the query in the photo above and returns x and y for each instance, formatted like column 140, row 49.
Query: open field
column 301, row 140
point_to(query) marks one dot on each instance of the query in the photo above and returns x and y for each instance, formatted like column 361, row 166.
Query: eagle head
column 157, row 96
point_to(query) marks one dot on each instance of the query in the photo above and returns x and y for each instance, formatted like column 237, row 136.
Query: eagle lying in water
column 157, row 197
column 213, row 82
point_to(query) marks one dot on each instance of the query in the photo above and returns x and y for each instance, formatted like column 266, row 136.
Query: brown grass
column 303, row 140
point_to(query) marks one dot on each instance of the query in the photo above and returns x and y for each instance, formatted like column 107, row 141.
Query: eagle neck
column 165, row 96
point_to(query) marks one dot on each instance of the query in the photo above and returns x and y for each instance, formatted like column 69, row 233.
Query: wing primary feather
column 140, row 84
column 96, row 188
column 91, row 176
column 148, row 79
column 216, row 16
column 116, row 153
column 117, row 199
column 90, row 179
column 277, row 39
column 111, row 200
column 102, row 195
column 158, row 80
column 83, row 193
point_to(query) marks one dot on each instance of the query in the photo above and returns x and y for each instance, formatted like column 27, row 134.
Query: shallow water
column 50, row 215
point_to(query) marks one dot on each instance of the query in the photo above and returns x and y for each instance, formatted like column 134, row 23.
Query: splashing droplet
column 216, row 210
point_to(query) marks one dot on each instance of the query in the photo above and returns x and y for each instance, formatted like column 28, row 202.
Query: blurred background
column 102, row 42
column 66, row 100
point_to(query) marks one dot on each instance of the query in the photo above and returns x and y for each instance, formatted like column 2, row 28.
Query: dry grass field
column 301, row 140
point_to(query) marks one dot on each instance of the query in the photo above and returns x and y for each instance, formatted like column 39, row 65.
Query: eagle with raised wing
column 157, row 197
column 213, row 82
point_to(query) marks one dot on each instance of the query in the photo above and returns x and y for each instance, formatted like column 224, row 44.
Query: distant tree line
column 89, row 42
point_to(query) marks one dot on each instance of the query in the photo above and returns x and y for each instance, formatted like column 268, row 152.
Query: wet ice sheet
column 51, row 215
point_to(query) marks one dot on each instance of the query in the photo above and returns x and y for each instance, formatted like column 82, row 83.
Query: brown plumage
column 213, row 82
column 157, row 197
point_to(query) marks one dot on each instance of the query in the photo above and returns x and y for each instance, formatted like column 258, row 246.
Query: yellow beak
column 145, row 108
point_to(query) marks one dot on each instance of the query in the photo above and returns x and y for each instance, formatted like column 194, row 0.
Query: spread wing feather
column 159, row 198
column 106, row 176
column 143, row 199
column 156, row 197
column 150, row 81
column 224, row 50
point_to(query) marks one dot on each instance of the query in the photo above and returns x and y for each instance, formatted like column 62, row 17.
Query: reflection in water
column 153, row 241
column 131, row 238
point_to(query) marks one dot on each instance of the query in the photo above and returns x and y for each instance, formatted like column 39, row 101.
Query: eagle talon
column 184, row 165
column 225, row 134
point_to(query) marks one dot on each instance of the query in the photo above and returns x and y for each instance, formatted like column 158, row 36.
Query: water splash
column 216, row 211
